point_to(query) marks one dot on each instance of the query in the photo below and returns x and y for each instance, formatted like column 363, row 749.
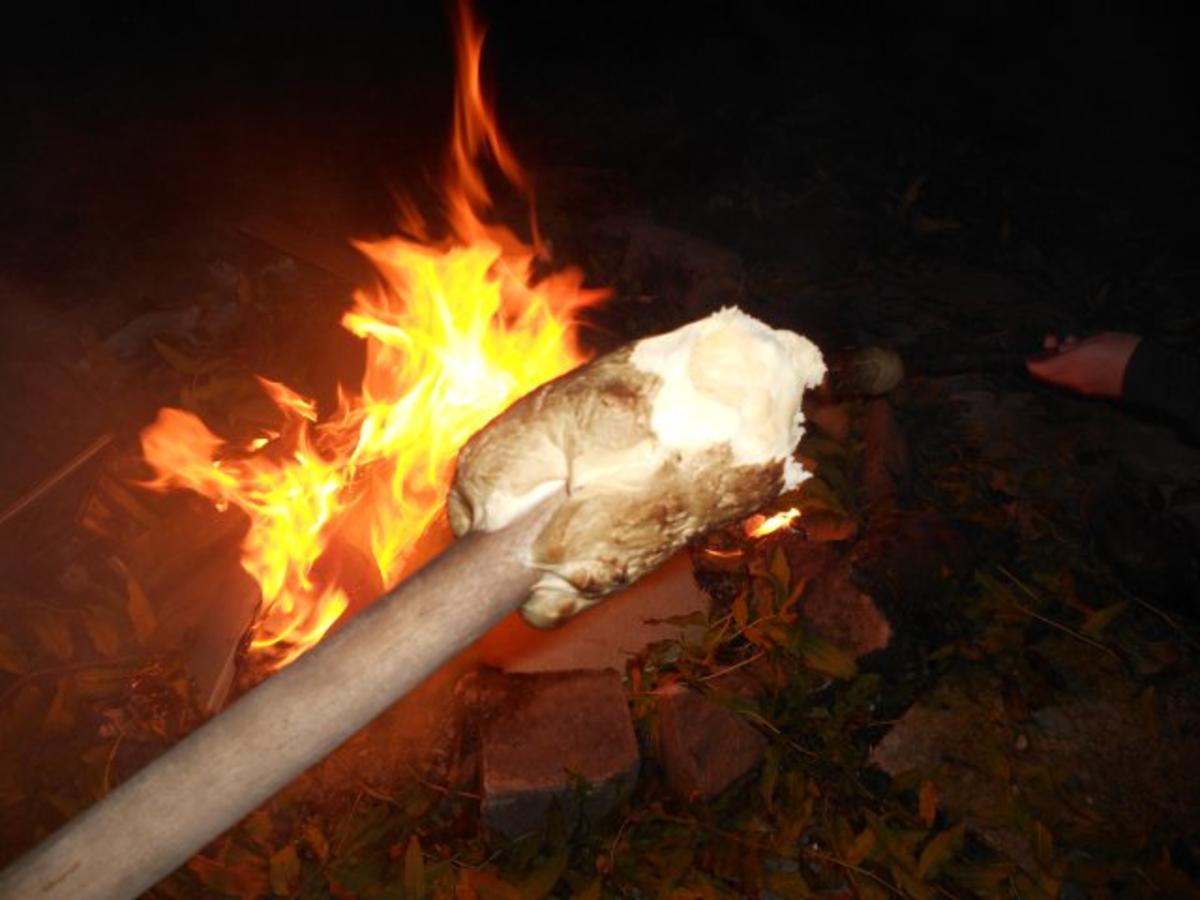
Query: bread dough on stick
column 654, row 443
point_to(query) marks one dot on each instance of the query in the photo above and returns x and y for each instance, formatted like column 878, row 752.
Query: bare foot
column 1093, row 365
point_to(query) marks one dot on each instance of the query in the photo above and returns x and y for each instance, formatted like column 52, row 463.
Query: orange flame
column 458, row 330
column 758, row 525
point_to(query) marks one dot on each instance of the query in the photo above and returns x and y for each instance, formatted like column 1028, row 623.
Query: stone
column 560, row 739
column 607, row 635
column 703, row 747
column 843, row 614
column 831, row 419
column 886, row 462
column 1096, row 755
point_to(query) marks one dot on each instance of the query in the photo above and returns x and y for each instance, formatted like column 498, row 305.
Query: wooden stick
column 154, row 822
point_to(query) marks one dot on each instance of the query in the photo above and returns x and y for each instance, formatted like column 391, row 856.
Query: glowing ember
column 459, row 330
column 758, row 525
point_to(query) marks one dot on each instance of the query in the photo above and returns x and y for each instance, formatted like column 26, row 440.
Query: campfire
column 458, row 326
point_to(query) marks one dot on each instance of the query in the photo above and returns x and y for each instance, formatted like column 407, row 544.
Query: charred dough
column 654, row 443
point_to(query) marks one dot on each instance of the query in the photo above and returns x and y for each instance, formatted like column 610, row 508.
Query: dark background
column 230, row 104
column 1059, row 138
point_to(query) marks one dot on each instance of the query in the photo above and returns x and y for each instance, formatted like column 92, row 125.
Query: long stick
column 154, row 822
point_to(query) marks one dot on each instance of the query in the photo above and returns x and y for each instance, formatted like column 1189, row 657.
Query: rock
column 1102, row 759
column 703, row 747
column 562, row 738
column 886, row 462
column 906, row 558
column 843, row 614
column 605, row 636
column 829, row 418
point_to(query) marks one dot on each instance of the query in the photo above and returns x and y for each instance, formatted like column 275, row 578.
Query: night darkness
column 951, row 180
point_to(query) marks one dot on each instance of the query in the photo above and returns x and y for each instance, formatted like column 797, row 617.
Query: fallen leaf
column 285, row 870
column 940, row 849
column 54, row 634
column 60, row 715
column 927, row 802
column 243, row 880
column 414, row 870
column 315, row 838
column 140, row 612
column 101, row 631
column 11, row 659
column 822, row 656
column 1102, row 618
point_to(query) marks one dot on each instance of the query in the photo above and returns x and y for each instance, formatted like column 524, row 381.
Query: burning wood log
column 582, row 486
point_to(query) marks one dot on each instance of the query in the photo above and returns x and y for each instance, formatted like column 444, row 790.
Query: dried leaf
column 863, row 844
column 787, row 885
column 780, row 571
column 541, row 881
column 11, row 659
column 260, row 828
column 1102, row 618
column 181, row 362
column 140, row 612
column 60, row 716
column 927, row 802
column 414, row 870
column 102, row 631
column 1043, row 843
column 936, row 224
column 770, row 777
column 740, row 610
column 940, row 849
column 246, row 879
column 54, row 634
column 285, row 870
column 911, row 193
column 486, row 885
column 315, row 838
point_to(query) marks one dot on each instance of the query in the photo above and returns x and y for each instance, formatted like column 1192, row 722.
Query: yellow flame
column 458, row 330
column 758, row 525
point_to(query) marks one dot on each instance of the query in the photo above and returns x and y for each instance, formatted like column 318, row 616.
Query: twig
column 62, row 670
column 108, row 765
column 441, row 788
column 1166, row 617
column 1079, row 636
column 774, row 729
column 734, row 667
column 850, row 867
column 52, row 481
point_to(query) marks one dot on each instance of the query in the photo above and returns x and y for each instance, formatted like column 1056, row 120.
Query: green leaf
column 541, row 881
column 822, row 656
column 285, row 870
column 1102, row 618
column 940, row 849
column 414, row 870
